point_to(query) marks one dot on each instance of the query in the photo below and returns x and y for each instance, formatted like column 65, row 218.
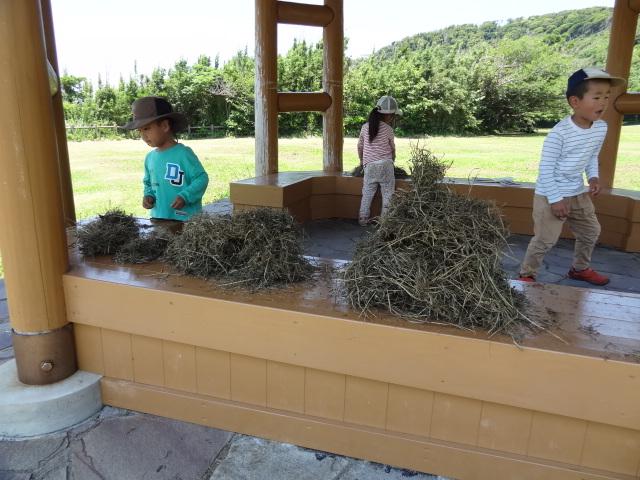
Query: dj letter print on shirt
column 174, row 174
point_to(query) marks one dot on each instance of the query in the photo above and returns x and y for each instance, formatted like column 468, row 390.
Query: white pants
column 377, row 173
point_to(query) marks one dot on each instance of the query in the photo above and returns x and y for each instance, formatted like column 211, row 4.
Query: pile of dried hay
column 398, row 172
column 106, row 234
column 258, row 248
column 120, row 234
column 146, row 249
column 435, row 257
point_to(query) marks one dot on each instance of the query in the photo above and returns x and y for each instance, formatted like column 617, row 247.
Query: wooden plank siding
column 353, row 401
column 300, row 367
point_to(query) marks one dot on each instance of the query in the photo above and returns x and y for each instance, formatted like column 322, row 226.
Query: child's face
column 157, row 135
column 590, row 108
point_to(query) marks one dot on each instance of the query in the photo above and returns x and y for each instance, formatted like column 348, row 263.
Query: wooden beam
column 304, row 14
column 634, row 6
column 303, row 102
column 628, row 104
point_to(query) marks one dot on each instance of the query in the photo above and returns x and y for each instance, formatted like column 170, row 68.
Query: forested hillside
column 564, row 27
column 466, row 79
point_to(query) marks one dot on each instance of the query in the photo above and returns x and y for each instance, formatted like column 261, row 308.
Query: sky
column 110, row 38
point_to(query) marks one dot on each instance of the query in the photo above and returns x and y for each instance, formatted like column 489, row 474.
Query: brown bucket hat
column 148, row 109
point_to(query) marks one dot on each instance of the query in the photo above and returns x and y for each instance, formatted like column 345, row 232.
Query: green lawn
column 108, row 173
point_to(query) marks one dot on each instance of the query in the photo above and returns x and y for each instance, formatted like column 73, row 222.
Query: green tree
column 105, row 104
column 520, row 84
column 238, row 82
column 77, row 100
column 461, row 79
column 364, row 82
column 300, row 70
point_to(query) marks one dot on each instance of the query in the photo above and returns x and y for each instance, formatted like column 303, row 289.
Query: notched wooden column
column 33, row 235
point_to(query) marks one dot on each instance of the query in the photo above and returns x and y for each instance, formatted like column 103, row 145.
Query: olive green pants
column 582, row 222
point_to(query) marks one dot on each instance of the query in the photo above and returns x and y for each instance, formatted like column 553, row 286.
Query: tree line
column 467, row 79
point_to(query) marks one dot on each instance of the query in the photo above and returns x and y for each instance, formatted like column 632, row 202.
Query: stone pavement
column 117, row 444
column 6, row 349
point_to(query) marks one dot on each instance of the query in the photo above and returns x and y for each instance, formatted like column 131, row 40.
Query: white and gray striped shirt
column 567, row 153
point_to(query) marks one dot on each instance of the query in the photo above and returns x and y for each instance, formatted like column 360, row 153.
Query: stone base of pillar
column 30, row 410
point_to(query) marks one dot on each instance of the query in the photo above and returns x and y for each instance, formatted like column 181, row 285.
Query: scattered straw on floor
column 436, row 257
column 258, row 248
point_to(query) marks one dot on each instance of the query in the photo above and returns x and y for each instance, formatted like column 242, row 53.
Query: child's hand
column 594, row 186
column 178, row 203
column 148, row 202
column 561, row 209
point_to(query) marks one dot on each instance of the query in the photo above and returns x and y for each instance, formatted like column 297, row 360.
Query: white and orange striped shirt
column 382, row 147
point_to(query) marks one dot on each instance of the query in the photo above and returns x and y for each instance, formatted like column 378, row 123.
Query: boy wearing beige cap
column 570, row 151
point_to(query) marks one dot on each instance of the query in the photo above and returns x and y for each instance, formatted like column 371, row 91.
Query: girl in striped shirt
column 377, row 152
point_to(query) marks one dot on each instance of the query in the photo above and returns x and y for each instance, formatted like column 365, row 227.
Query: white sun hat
column 388, row 105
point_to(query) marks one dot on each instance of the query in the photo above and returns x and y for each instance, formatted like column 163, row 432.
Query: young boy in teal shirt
column 174, row 179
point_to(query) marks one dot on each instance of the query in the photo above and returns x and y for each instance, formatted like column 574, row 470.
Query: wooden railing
column 97, row 128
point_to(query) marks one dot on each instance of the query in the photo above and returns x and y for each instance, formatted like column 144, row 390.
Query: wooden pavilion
column 302, row 368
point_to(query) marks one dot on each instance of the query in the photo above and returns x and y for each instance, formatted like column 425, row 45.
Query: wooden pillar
column 333, row 135
column 68, row 203
column 32, row 237
column 266, row 87
column 619, row 56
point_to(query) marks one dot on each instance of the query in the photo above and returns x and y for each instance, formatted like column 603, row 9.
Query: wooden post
column 266, row 87
column 333, row 135
column 32, row 237
column 58, row 115
column 622, row 39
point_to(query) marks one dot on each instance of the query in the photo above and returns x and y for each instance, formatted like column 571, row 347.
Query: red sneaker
column 526, row 279
column 588, row 275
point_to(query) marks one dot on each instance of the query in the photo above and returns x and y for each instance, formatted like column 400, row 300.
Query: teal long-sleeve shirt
column 176, row 171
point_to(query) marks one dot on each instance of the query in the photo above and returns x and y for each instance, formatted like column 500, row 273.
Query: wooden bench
column 316, row 194
column 307, row 195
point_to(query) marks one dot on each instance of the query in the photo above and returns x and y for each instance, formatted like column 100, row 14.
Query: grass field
column 108, row 174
